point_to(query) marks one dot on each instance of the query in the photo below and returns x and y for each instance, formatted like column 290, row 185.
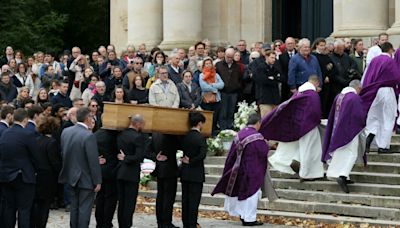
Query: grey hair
column 230, row 51
column 355, row 84
column 253, row 118
column 100, row 83
column 137, row 118
column 131, row 46
column 303, row 42
column 82, row 114
column 338, row 42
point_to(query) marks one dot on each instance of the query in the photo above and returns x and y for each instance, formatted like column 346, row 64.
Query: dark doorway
column 302, row 18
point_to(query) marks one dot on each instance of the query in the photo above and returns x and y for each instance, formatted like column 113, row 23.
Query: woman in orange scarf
column 210, row 84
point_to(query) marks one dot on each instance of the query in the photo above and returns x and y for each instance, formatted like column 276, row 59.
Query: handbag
column 209, row 97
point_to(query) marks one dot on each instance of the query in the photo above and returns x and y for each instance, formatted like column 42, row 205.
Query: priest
column 344, row 136
column 379, row 94
column 244, row 172
column 294, row 124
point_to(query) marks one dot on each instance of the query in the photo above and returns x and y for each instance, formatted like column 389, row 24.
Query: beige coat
column 157, row 96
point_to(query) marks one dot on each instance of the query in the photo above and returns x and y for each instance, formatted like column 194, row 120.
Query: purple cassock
column 245, row 165
column 347, row 119
column 383, row 71
column 294, row 118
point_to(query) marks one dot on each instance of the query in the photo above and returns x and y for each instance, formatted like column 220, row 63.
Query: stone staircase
column 373, row 199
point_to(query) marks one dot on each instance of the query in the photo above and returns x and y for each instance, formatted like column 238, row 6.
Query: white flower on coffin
column 242, row 115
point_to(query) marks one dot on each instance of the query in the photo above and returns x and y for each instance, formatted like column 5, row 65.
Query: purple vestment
column 383, row 71
column 294, row 118
column 250, row 167
column 346, row 120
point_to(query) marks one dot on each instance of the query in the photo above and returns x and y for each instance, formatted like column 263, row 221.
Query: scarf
column 92, row 87
column 209, row 75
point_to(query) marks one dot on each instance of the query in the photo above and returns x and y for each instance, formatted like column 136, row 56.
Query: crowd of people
column 54, row 153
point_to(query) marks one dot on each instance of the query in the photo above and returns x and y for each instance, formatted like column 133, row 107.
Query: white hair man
column 302, row 66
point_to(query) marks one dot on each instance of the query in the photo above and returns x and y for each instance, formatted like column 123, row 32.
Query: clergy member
column 243, row 176
column 379, row 97
column 294, row 124
column 344, row 135
column 375, row 51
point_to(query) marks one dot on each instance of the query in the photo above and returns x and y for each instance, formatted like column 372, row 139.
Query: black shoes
column 384, row 151
column 342, row 181
column 168, row 226
column 255, row 223
column 369, row 140
column 295, row 166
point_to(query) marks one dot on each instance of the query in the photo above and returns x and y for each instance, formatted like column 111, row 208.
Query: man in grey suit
column 81, row 168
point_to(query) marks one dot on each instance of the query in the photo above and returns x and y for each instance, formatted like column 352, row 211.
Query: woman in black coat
column 48, row 167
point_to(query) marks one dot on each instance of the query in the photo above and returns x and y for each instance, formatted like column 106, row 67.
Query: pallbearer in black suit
column 194, row 148
column 6, row 115
column 33, row 115
column 284, row 60
column 131, row 144
column 48, row 167
column 106, row 199
column 17, row 170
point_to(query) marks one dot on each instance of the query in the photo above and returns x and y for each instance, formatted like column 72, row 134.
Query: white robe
column 382, row 116
column 246, row 209
column 307, row 150
column 372, row 53
column 344, row 158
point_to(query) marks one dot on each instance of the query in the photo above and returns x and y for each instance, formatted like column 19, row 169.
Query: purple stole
column 241, row 145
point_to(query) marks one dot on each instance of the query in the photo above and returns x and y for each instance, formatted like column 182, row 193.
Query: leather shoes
column 295, row 166
column 343, row 184
column 369, row 140
column 383, row 151
column 349, row 182
column 255, row 223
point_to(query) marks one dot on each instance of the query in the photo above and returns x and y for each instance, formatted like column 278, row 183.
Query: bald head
column 356, row 84
column 71, row 114
column 229, row 53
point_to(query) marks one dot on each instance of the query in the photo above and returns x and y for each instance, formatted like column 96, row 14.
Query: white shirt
column 348, row 90
column 3, row 121
column 84, row 125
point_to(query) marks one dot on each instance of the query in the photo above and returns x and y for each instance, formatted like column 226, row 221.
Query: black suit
column 284, row 59
column 48, row 166
column 3, row 127
column 194, row 146
column 106, row 199
column 167, row 174
column 133, row 144
column 17, row 173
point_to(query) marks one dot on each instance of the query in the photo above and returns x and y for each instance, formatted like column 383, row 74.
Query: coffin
column 158, row 119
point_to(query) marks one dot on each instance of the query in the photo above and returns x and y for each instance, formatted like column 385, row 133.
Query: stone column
column 182, row 23
column 365, row 18
column 395, row 29
column 337, row 16
column 145, row 22
column 119, row 24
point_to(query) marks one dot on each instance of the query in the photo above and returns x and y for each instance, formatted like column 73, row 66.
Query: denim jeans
column 228, row 104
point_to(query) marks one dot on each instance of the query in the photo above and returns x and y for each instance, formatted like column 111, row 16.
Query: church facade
column 180, row 23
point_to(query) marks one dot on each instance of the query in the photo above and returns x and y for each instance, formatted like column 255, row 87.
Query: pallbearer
column 294, row 124
column 243, row 176
column 344, row 135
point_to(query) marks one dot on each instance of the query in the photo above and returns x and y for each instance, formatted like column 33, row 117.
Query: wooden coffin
column 158, row 119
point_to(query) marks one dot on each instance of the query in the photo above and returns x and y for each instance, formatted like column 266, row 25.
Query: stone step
column 358, row 177
column 336, row 219
column 306, row 207
column 372, row 157
column 373, row 167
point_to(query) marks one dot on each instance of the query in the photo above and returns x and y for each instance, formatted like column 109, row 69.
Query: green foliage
column 145, row 179
column 30, row 25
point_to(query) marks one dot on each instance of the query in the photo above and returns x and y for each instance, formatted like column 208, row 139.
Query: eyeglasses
column 138, row 63
column 94, row 105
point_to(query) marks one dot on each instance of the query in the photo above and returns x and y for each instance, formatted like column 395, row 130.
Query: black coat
column 17, row 154
column 344, row 71
column 195, row 147
column 266, row 80
column 232, row 77
column 48, row 167
column 108, row 148
column 284, row 59
column 168, row 144
column 133, row 144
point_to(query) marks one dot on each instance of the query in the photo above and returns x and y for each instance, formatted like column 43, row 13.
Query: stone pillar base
column 394, row 30
column 357, row 32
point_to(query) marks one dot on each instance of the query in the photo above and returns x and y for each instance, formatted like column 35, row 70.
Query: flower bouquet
column 242, row 115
